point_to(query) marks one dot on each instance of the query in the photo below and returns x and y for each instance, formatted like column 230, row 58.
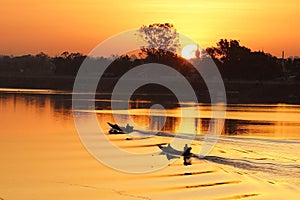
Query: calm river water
column 42, row 156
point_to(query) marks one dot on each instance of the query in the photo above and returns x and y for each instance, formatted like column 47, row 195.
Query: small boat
column 116, row 129
column 170, row 150
column 172, row 153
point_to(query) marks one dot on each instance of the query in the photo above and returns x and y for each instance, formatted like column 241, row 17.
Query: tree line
column 66, row 64
column 234, row 61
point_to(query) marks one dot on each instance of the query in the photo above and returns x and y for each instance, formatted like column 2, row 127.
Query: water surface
column 42, row 156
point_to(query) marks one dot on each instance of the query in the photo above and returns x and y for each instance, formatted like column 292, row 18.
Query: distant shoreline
column 236, row 91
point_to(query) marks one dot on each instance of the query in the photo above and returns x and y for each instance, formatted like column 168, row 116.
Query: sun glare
column 189, row 51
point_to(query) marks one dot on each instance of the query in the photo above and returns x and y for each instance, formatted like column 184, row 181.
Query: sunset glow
column 189, row 51
column 140, row 99
column 32, row 26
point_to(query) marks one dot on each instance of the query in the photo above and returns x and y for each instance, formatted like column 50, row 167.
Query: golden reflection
column 42, row 154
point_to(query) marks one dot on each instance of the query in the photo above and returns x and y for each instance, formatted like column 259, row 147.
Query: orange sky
column 53, row 26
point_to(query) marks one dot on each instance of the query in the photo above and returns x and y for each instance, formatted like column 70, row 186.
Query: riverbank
column 236, row 91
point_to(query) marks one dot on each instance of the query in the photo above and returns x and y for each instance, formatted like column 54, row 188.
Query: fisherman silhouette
column 185, row 148
column 128, row 128
column 187, row 155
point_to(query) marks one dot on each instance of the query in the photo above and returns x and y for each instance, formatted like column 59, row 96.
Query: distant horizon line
column 112, row 56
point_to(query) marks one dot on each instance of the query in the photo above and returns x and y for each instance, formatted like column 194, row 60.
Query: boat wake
column 267, row 167
column 274, row 158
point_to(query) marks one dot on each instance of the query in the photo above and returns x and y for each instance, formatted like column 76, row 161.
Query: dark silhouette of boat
column 172, row 153
column 116, row 129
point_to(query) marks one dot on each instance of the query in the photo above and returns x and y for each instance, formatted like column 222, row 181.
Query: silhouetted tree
column 39, row 64
column 64, row 54
column 68, row 63
column 238, row 62
column 162, row 45
column 160, row 39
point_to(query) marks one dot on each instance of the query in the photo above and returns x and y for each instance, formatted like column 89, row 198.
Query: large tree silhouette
column 239, row 62
column 160, row 39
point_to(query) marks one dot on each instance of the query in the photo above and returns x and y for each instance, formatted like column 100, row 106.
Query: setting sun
column 189, row 51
